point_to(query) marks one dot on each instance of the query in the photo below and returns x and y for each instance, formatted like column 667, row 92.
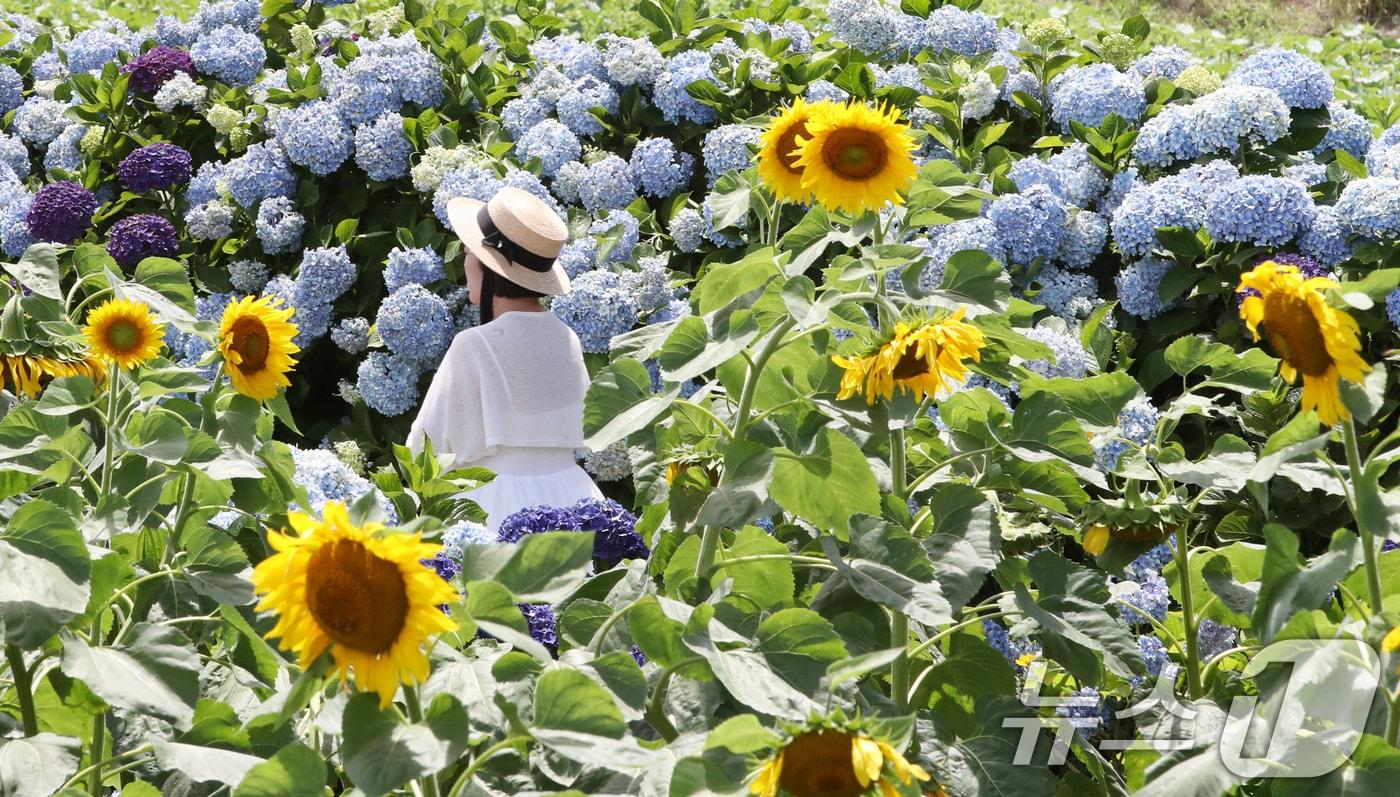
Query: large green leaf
column 1073, row 606
column 620, row 402
column 799, row 645
column 204, row 764
column 566, row 699
column 156, row 672
column 768, row 584
column 748, row 468
column 826, row 484
column 46, row 568
column 1095, row 400
column 295, row 771
column 966, row 542
column 38, row 765
column 382, row 752
column 492, row 607
column 888, row 567
column 541, row 568
column 1288, row 586
column 37, row 270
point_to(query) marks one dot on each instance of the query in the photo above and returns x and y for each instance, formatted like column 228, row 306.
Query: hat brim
column 461, row 215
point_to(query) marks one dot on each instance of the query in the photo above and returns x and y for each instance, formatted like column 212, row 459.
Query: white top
column 517, row 382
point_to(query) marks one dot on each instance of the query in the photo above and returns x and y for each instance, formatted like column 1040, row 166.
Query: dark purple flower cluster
column 151, row 69
column 615, row 529
column 136, row 238
column 61, row 212
column 544, row 629
column 154, row 167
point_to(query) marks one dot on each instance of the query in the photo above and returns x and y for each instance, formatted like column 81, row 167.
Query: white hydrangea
column 180, row 90
column 436, row 162
column 979, row 96
column 222, row 118
column 382, row 23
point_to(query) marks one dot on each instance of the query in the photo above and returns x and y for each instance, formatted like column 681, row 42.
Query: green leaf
column 382, row 753
column 953, row 686
column 566, row 699
column 768, row 584
column 965, row 545
column 1095, row 400
column 295, row 771
column 827, row 484
column 1372, row 769
column 883, row 584
column 156, row 672
column 46, row 569
column 169, row 278
column 748, row 468
column 857, row 667
column 748, row 676
column 492, row 607
column 799, row 645
column 217, row 568
column 204, row 764
column 541, row 568
column 620, row 402
column 37, row 270
column 38, row 765
column 1073, row 606
column 1288, row 587
column 743, row 734
column 658, row 636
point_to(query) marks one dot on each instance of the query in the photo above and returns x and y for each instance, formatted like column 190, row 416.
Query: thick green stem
column 1392, row 725
column 23, row 688
column 899, row 471
column 796, row 559
column 899, row 670
column 99, row 734
column 415, row 713
column 656, row 706
column 466, row 776
column 1363, row 521
column 1188, row 616
column 110, row 443
column 206, row 417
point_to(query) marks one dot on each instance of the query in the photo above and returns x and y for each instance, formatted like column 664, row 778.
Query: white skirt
column 528, row 477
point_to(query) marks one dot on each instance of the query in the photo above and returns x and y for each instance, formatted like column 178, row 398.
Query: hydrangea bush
column 1117, row 493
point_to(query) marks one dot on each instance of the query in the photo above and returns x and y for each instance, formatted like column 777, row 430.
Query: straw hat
column 515, row 235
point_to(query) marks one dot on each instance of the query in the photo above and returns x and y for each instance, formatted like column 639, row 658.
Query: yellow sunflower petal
column 255, row 340
column 124, row 332
column 856, row 157
column 867, row 760
column 1095, row 540
column 766, row 784
column 777, row 156
column 1391, row 642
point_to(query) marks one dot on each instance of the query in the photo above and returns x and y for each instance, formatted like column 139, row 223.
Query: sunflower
column 255, row 339
column 828, row 762
column 855, row 157
column 364, row 595
column 1311, row 337
column 124, row 332
column 777, row 157
column 1095, row 540
column 923, row 358
column 28, row 374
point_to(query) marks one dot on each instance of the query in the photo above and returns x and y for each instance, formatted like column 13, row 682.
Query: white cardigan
column 517, row 382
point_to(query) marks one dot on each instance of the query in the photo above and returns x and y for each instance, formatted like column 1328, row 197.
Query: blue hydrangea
column 328, row 479
column 1088, row 94
column 612, row 464
column 1347, row 130
column 187, row 348
column 578, row 256
column 799, row 39
column 421, row 266
column 388, row 383
column 567, row 181
column 1118, row 187
column 171, row 32
column 229, row 54
column 670, row 95
column 47, row 66
column 575, row 108
column 382, row 149
column 93, row 49
column 456, row 538
column 614, row 529
column 1154, row 655
column 472, row 182
column 1153, row 561
column 14, row 155
column 658, row 168
column 1384, row 163
column 574, row 57
column 551, row 143
column 1069, row 358
column 63, row 154
column 413, row 71
column 241, row 14
column 630, row 61
column 607, row 185
column 1326, row 240
column 688, row 229
column 260, row 172
column 1031, row 170
column 1030, row 224
column 1087, row 710
column 821, row 90
column 674, row 310
column 315, row 136
column 1217, row 122
column 40, row 120
column 1081, row 180
column 1213, row 639
column 351, row 335
column 205, row 185
column 624, row 228
column 416, row 325
column 1264, row 211
column 1137, row 421
column 210, row 221
column 1176, row 201
column 1019, row 79
column 1163, row 61
column 1149, row 596
column 1392, row 308
column 313, row 318
column 324, row 275
column 1308, row 173
column 1017, row 652
column 1085, row 237
column 279, row 226
column 362, row 91
column 870, row 26
column 967, row 33
column 961, row 236
column 14, row 208
column 1371, row 207
column 247, row 276
column 523, row 113
column 715, row 234
column 1139, row 287
column 1299, row 80
column 649, row 285
column 597, row 308
column 11, row 89
column 906, row 75
column 726, row 149
column 1067, row 294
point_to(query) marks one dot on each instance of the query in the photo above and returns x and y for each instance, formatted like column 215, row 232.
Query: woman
column 508, row 395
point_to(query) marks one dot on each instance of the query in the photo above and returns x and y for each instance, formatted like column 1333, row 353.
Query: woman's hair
column 493, row 285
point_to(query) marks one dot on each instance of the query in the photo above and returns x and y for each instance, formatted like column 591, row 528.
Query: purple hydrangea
column 151, row 69
column 155, row 167
column 136, row 238
column 615, row 528
column 544, row 628
column 61, row 212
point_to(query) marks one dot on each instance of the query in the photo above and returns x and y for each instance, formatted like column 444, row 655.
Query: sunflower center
column 855, row 154
column 360, row 600
column 1294, row 333
column 251, row 341
column 819, row 765
column 124, row 336
column 787, row 145
column 910, row 364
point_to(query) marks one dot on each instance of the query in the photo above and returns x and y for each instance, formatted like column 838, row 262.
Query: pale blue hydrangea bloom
column 871, row 26
column 456, row 538
column 260, row 172
column 1088, row 94
column 1217, row 122
column 979, row 97
column 14, row 155
column 323, row 276
column 687, row 229
column 1081, row 180
column 1139, row 287
column 674, row 310
column 313, row 319
column 567, row 181
column 63, row 151
column 1176, row 201
column 388, row 383
column 630, row 61
column 1264, row 211
column 241, row 14
column 578, row 256
column 416, row 73
column 625, row 228
column 40, row 120
column 229, row 54
column 382, row 148
column 575, row 108
column 416, row 325
column 670, row 95
column 1070, row 359
column 1067, row 294
column 1299, row 80
column 948, row 27
column 14, row 229
column 1213, row 639
column 180, row 90
column 1030, row 224
column 607, row 185
column 960, row 236
column 726, row 149
column 526, row 181
column 1371, row 207
column 658, row 168
column 472, row 182
column 1392, row 308
column 47, row 66
column 94, row 48
column 799, row 39
column 1118, row 187
column 205, row 184
column 597, row 308
column 1088, row 711
column 1384, row 163
column 1030, row 170
column 1150, row 596
column 551, row 143
column 906, row 75
column 523, row 113
column 574, row 57
column 821, row 89
column 326, row 478
column 315, row 136
column 247, row 276
column 1163, row 61
column 421, row 265
column 171, row 32
column 1308, row 173
column 210, row 221
column 612, row 464
column 12, row 87
column 649, row 285
column 1137, row 422
column 716, row 234
column 1347, row 130
column 1086, row 234
column 1154, row 658
column 279, row 226
column 1326, row 241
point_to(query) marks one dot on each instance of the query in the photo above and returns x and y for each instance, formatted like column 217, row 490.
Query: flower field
column 982, row 404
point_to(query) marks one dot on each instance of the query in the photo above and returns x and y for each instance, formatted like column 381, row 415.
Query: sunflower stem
column 20, row 675
column 206, row 417
column 1360, row 482
column 415, row 714
column 99, row 727
column 899, row 623
column 1188, row 615
column 466, row 776
column 1392, row 724
column 110, row 434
